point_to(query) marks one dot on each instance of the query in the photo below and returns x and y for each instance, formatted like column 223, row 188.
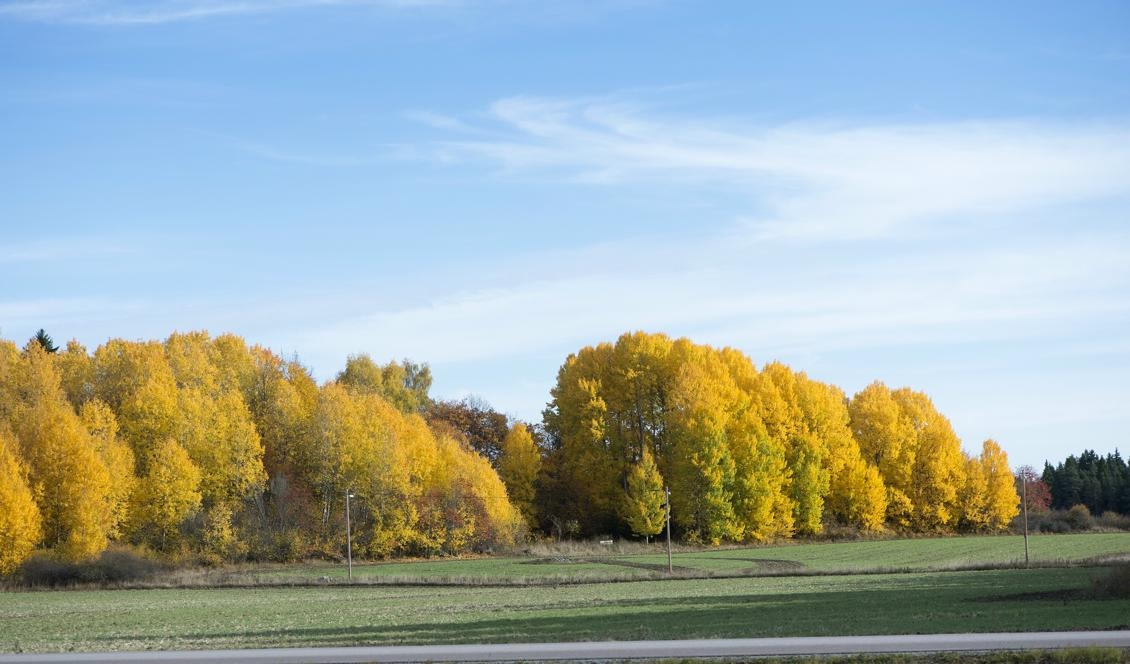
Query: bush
column 1114, row 521
column 1114, row 585
column 1054, row 522
column 1076, row 519
column 287, row 546
column 114, row 565
column 1080, row 517
column 839, row 533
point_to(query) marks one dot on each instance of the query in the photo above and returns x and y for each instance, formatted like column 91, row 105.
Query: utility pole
column 348, row 536
column 1024, row 507
column 670, row 567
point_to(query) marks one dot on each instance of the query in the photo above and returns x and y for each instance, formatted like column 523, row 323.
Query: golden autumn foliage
column 519, row 462
column 750, row 454
column 167, row 496
column 70, row 482
column 202, row 445
column 1002, row 503
column 644, row 499
column 118, row 458
column 20, row 523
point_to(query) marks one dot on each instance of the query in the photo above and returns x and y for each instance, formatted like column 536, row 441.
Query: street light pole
column 1024, row 506
column 670, row 567
column 348, row 536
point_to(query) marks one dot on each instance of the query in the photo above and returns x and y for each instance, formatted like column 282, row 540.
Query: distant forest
column 1101, row 484
column 205, row 448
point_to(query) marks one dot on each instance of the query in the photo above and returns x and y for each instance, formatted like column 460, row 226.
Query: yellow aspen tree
column 1001, row 500
column 477, row 513
column 863, row 495
column 68, row 479
column 378, row 464
column 20, row 523
column 166, row 496
column 503, row 522
column 586, row 479
column 700, row 399
column 450, row 513
column 784, row 414
column 854, row 495
column 761, row 480
column 234, row 363
column 118, row 458
column 220, row 436
column 10, row 362
column 518, row 466
column 217, row 432
column 281, row 398
column 135, row 380
column 887, row 441
column 361, row 374
column 644, row 499
column 189, row 358
column 762, row 476
column 76, row 371
column 810, row 484
column 333, row 430
column 939, row 464
column 974, row 515
column 278, row 410
column 354, row 448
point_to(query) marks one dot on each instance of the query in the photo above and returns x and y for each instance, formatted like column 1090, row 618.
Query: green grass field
column 916, row 554
column 609, row 563
column 938, row 597
column 991, row 600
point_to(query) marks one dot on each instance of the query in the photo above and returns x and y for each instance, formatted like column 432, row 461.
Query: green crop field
column 573, row 599
column 609, row 563
column 990, row 600
column 915, row 554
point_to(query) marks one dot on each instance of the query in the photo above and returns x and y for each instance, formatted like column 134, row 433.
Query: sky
column 931, row 194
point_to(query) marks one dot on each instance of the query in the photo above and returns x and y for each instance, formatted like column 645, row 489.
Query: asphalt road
column 612, row 650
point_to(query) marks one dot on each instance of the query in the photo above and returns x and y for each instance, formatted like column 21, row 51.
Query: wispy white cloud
column 61, row 249
column 440, row 121
column 940, row 296
column 304, row 158
column 25, row 313
column 811, row 180
column 958, row 236
column 127, row 12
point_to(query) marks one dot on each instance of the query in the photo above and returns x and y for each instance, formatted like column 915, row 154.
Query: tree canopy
column 752, row 453
column 204, row 445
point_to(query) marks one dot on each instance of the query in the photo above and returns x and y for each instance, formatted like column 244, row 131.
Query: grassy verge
column 982, row 601
column 1066, row 656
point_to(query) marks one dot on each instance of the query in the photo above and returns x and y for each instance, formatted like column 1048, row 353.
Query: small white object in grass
column 605, row 542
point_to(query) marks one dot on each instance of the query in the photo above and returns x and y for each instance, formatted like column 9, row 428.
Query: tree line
column 207, row 447
column 751, row 454
column 204, row 446
column 1100, row 483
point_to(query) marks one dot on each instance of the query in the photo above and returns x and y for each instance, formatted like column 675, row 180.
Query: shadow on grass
column 888, row 611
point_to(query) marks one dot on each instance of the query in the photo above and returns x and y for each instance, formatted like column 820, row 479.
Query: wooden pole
column 1024, row 507
column 348, row 536
column 670, row 566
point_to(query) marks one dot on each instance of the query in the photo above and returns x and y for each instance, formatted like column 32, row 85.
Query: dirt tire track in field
column 654, row 567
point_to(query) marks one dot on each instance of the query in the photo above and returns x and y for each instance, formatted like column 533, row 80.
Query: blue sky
column 930, row 194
